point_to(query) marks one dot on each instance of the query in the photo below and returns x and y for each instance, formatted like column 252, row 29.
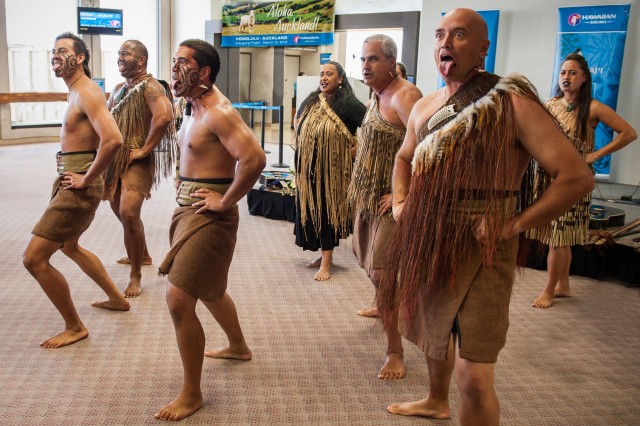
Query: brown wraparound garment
column 478, row 301
column 202, row 245
column 71, row 211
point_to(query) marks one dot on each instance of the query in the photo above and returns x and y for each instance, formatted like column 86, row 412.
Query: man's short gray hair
column 389, row 47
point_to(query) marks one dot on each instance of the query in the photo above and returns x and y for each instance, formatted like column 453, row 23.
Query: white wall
column 344, row 7
column 526, row 44
column 187, row 19
column 262, row 74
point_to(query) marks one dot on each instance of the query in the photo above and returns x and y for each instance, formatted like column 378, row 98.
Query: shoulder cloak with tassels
column 324, row 167
column 133, row 118
column 378, row 144
column 572, row 227
column 467, row 153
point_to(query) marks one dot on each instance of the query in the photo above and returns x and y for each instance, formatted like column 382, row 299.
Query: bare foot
column 314, row 263
column 323, row 274
column 114, row 305
column 65, row 338
column 393, row 367
column 562, row 291
column 181, row 407
column 369, row 312
column 133, row 289
column 544, row 300
column 423, row 408
column 125, row 261
column 242, row 354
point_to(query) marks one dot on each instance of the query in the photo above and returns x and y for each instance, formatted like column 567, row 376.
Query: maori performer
column 401, row 70
column 452, row 257
column 144, row 112
column 89, row 139
column 578, row 115
column 383, row 130
column 220, row 161
column 325, row 137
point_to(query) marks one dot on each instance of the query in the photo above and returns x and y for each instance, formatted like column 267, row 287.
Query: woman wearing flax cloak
column 326, row 124
column 578, row 115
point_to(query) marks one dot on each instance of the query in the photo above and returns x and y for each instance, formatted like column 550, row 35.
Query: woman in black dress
column 326, row 126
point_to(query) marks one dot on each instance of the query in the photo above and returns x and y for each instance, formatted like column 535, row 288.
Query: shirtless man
column 87, row 127
column 220, row 161
column 456, row 184
column 380, row 137
column 144, row 114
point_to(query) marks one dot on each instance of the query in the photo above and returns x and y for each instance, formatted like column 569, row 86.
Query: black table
column 617, row 262
column 272, row 204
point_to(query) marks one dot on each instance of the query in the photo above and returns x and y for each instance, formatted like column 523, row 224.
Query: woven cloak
column 133, row 118
column 572, row 227
column 378, row 144
column 324, row 166
column 471, row 155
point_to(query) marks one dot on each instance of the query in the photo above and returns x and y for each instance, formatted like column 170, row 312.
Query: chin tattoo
column 128, row 65
column 187, row 77
column 68, row 65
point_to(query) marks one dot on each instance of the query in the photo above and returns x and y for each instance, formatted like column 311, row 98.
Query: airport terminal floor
column 315, row 361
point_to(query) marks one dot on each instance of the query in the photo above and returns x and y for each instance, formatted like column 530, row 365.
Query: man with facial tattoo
column 144, row 115
column 89, row 140
column 220, row 161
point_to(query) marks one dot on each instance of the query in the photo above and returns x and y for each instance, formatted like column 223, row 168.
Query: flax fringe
column 378, row 144
column 572, row 227
column 324, row 166
column 477, row 150
column 133, row 118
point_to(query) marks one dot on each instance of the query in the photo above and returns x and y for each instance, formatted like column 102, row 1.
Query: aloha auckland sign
column 283, row 23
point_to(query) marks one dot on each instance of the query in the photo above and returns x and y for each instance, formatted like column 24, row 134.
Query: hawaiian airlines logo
column 574, row 19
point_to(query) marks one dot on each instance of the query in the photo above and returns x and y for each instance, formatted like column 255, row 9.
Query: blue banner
column 324, row 58
column 278, row 40
column 492, row 18
column 599, row 32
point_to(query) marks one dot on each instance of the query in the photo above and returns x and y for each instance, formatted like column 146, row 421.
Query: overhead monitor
column 94, row 20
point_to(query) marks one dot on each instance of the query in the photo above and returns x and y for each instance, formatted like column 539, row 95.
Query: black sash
column 470, row 92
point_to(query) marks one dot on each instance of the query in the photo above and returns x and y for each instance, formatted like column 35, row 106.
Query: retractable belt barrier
column 260, row 106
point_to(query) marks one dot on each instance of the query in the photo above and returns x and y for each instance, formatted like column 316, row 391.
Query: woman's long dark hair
column 584, row 96
column 337, row 101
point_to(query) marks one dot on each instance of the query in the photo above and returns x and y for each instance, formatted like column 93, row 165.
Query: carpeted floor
column 315, row 361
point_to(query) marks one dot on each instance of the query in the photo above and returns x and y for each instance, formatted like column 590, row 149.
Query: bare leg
column 146, row 257
column 134, row 239
column 324, row 273
column 393, row 367
column 369, row 312
column 376, row 276
column 558, row 264
column 478, row 400
column 314, row 263
column 436, row 404
column 36, row 260
column 224, row 312
column 91, row 265
column 190, row 337
column 562, row 287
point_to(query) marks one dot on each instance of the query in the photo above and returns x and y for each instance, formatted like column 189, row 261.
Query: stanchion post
column 280, row 164
column 262, row 131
